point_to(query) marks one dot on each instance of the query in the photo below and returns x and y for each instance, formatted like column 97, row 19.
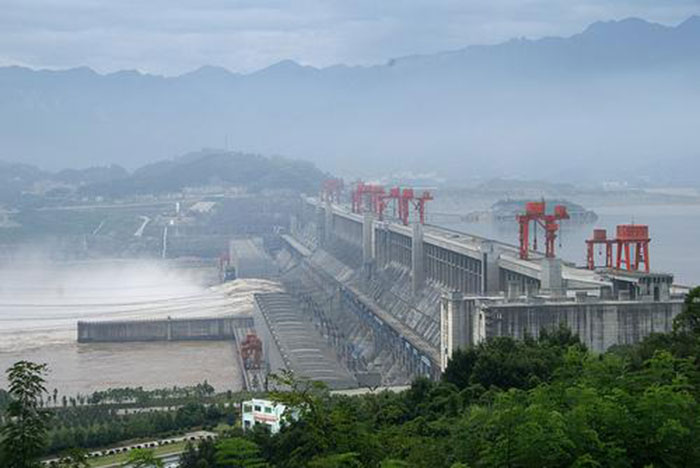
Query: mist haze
column 618, row 97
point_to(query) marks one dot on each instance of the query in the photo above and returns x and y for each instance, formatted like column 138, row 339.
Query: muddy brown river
column 41, row 302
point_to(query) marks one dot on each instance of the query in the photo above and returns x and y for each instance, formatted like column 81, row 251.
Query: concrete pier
column 368, row 242
column 417, row 258
column 456, row 325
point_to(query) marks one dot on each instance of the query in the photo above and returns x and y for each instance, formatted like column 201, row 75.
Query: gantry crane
column 535, row 212
column 331, row 190
column 377, row 199
column 628, row 236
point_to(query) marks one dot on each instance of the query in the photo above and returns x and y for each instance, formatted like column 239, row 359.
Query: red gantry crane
column 629, row 236
column 420, row 204
column 331, row 190
column 600, row 237
column 390, row 198
column 377, row 200
column 535, row 212
column 366, row 194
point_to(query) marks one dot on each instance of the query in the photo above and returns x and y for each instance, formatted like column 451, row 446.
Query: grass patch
column 222, row 427
column 122, row 457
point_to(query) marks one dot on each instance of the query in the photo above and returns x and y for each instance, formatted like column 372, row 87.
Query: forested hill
column 250, row 172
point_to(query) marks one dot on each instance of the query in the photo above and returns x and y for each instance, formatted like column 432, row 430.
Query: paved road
column 170, row 460
column 139, row 231
column 97, row 229
column 170, row 457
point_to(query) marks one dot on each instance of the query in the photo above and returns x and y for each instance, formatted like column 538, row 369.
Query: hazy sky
column 175, row 36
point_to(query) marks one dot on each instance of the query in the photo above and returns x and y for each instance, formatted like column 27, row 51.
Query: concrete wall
column 453, row 270
column 250, row 260
column 456, row 325
column 392, row 247
column 428, row 261
column 598, row 324
column 162, row 330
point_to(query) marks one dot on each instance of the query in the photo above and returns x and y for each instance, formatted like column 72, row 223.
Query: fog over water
column 41, row 303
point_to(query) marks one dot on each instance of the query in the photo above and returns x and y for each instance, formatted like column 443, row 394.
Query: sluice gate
column 169, row 329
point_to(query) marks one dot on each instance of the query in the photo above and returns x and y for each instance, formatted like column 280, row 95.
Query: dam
column 191, row 329
column 404, row 296
column 372, row 298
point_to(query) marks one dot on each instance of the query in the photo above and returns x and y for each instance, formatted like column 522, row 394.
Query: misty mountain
column 206, row 168
column 91, row 175
column 24, row 183
column 616, row 101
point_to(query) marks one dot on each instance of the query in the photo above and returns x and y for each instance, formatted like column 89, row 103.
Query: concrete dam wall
column 221, row 328
column 599, row 325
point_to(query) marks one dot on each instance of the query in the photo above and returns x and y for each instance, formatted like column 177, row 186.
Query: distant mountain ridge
column 617, row 91
column 627, row 34
column 200, row 169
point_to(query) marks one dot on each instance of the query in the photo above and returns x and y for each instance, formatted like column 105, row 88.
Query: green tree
column 341, row 460
column 24, row 434
column 201, row 456
column 189, row 457
column 460, row 366
column 311, row 434
column 393, row 463
column 688, row 321
column 143, row 458
column 74, row 458
column 237, row 452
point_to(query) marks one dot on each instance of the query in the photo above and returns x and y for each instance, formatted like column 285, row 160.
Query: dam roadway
column 457, row 260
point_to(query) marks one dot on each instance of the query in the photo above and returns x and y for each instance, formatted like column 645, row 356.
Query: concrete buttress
column 417, row 258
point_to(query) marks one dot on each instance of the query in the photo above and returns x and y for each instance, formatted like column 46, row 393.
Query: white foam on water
column 41, row 303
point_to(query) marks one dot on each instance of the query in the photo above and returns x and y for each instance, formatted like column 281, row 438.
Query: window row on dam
column 347, row 230
column 393, row 247
column 452, row 270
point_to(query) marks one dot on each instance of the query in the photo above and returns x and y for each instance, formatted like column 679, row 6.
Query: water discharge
column 41, row 302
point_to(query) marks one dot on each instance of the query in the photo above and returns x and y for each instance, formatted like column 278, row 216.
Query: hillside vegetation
column 537, row 403
column 26, row 184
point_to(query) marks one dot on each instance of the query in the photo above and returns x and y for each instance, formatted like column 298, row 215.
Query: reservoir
column 674, row 230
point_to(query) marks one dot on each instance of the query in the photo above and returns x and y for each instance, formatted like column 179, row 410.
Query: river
column 41, row 302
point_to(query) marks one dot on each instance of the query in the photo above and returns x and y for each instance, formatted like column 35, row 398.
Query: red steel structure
column 420, row 205
column 405, row 199
column 390, row 198
column 367, row 194
column 535, row 212
column 251, row 351
column 637, row 236
column 331, row 190
column 600, row 237
column 629, row 237
column 377, row 199
column 405, row 205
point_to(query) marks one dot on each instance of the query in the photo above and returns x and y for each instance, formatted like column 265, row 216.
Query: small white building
column 266, row 412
